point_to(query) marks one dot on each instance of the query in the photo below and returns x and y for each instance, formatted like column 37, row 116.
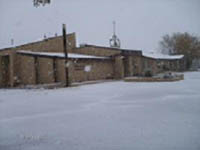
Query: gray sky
column 140, row 23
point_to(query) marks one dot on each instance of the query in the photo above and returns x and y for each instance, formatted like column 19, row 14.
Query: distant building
column 157, row 63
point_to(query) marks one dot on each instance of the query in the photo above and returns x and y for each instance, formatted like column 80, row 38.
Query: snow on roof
column 61, row 55
column 112, row 48
column 161, row 56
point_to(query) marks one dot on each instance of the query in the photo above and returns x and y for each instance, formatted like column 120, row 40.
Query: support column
column 55, row 70
column 11, row 70
column 119, row 67
column 130, row 66
column 36, row 64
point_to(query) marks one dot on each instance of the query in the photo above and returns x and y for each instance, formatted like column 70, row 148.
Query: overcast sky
column 140, row 23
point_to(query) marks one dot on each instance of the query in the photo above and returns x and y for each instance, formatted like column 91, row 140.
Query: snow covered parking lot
column 106, row 116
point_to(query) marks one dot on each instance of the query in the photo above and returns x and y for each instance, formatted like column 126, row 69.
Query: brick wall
column 26, row 73
column 60, row 70
column 45, row 71
column 91, row 69
column 54, row 44
column 148, row 64
column 79, row 70
column 119, row 67
column 97, row 51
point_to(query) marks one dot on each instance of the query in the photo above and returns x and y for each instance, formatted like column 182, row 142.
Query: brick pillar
column 139, row 65
column 11, row 70
column 119, row 67
column 36, row 70
column 130, row 66
column 55, row 70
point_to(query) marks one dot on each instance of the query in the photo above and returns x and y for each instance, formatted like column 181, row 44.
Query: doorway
column 4, row 71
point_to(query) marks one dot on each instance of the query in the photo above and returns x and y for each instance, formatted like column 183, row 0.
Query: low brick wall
column 151, row 79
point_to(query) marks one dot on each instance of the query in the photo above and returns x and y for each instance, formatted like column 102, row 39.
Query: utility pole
column 66, row 55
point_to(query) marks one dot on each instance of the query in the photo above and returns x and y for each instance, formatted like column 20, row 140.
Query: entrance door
column 4, row 71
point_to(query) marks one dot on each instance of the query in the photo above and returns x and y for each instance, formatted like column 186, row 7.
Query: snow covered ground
column 106, row 116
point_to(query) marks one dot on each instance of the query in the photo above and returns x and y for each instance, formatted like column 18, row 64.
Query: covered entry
column 4, row 71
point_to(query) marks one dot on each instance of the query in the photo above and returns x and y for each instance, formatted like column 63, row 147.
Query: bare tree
column 181, row 43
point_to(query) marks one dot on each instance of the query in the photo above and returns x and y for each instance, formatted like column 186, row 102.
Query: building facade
column 43, row 62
